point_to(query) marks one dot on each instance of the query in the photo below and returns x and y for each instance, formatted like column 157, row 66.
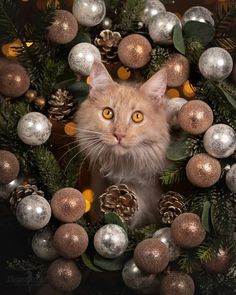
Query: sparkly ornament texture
column 231, row 178
column 198, row 13
column 219, row 263
column 152, row 8
column 9, row 167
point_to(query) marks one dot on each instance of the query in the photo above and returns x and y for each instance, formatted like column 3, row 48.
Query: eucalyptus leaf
column 178, row 39
column 177, row 151
column 88, row 262
column 112, row 218
column 206, row 215
column 79, row 38
column 204, row 32
column 110, row 264
column 213, row 215
column 79, row 90
column 230, row 98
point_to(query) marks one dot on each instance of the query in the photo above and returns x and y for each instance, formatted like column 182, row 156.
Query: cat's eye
column 108, row 113
column 137, row 117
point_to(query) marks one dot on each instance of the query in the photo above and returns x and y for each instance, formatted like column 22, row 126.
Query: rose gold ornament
column 219, row 263
column 9, row 167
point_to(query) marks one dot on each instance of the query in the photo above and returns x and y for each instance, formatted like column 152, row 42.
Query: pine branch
column 194, row 145
column 187, row 261
column 194, row 49
column 174, row 173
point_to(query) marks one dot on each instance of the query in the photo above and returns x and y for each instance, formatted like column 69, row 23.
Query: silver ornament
column 82, row 57
column 161, row 27
column 34, row 128
column 220, row 141
column 107, row 23
column 231, row 179
column 33, row 212
column 199, row 14
column 7, row 189
column 42, row 245
column 173, row 106
column 152, row 8
column 110, row 241
column 215, row 64
column 164, row 236
column 89, row 13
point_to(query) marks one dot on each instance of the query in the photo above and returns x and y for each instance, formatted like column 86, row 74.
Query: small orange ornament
column 172, row 93
column 188, row 90
column 87, row 206
column 88, row 80
column 70, row 129
column 123, row 73
column 10, row 49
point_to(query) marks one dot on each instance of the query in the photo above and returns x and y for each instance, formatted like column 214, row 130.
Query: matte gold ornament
column 203, row 171
column 9, row 167
column 219, row 263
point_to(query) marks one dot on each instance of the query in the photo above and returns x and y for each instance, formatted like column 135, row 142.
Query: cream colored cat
column 123, row 131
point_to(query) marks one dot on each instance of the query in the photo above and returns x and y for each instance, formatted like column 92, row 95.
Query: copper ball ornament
column 187, row 230
column 31, row 95
column 134, row 51
column 195, row 117
column 63, row 275
column 219, row 263
column 14, row 80
column 70, row 240
column 203, row 171
column 151, row 256
column 9, row 167
column 68, row 204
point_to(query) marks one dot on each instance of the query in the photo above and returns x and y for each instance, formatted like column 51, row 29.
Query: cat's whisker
column 88, row 131
column 67, row 144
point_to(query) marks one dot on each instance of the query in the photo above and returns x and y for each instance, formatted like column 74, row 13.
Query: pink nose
column 119, row 135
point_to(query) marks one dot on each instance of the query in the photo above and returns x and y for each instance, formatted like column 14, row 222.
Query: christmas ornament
column 231, row 179
column 42, row 245
column 33, row 212
column 199, row 14
column 152, row 8
column 70, row 240
column 177, row 68
column 9, row 167
column 70, row 129
column 234, row 73
column 68, row 204
column 187, row 225
column 171, row 205
column 195, row 117
column 173, row 107
column 203, row 171
column 175, row 282
column 172, row 93
column 220, row 141
column 219, row 263
column 46, row 289
column 82, row 57
column 188, row 90
column 161, row 27
column 164, row 236
column 107, row 23
column 63, row 275
column 7, row 189
column 89, row 13
column 151, row 256
column 120, row 200
column 40, row 102
column 110, row 241
column 31, row 95
column 134, row 51
column 107, row 42
column 10, row 49
column 215, row 64
column 88, row 194
column 123, row 73
column 14, row 80
column 34, row 128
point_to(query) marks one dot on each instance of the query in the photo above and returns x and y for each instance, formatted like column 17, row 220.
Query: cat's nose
column 119, row 135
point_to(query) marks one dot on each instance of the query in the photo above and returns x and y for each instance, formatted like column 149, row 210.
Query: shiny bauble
column 40, row 102
column 219, row 263
column 152, row 8
column 173, row 107
column 215, row 64
column 234, row 72
column 33, row 212
column 42, row 245
column 9, row 167
column 199, row 14
column 110, row 241
column 31, row 95
column 7, row 189
column 231, row 179
column 161, row 27
column 151, row 256
column 63, row 275
column 34, row 128
column 203, row 171
column 220, row 141
column 187, row 230
column 89, row 13
column 134, row 51
column 82, row 57
column 107, row 23
column 164, row 236
column 195, row 117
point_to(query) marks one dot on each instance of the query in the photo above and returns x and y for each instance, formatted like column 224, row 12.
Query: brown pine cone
column 171, row 205
column 120, row 200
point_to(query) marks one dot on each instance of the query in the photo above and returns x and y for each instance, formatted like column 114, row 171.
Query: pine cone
column 171, row 205
column 61, row 106
column 23, row 191
column 107, row 42
column 120, row 200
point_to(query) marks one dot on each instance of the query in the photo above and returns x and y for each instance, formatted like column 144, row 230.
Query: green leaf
column 112, row 218
column 110, row 264
column 203, row 32
column 79, row 90
column 206, row 215
column 178, row 39
column 177, row 151
column 213, row 216
column 79, row 38
column 88, row 262
column 230, row 99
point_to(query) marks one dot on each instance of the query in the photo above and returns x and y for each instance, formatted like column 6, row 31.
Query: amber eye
column 137, row 117
column 108, row 113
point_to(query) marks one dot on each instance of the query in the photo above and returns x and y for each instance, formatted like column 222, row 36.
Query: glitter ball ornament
column 107, row 23
column 134, row 51
column 42, row 245
column 161, row 27
column 199, row 14
column 110, row 241
column 219, row 263
column 173, row 107
column 231, row 178
column 63, row 275
column 9, row 167
column 151, row 256
column 152, row 8
column 89, row 13
column 34, row 128
column 68, row 204
column 64, row 27
column 33, row 212
column 215, row 64
column 31, row 95
column 82, row 57
column 14, row 80
column 7, row 189
column 220, row 141
column 187, row 225
column 203, row 171
column 70, row 240
column 195, row 117
column 178, row 283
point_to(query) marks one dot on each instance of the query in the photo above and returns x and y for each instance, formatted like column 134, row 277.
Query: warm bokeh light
column 172, row 92
column 123, row 73
column 88, row 195
column 70, row 129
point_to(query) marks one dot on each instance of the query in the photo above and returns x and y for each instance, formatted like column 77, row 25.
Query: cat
column 123, row 132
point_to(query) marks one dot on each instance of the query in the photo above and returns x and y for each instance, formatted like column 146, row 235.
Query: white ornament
column 152, row 8
column 198, row 13
column 231, row 179
column 173, row 105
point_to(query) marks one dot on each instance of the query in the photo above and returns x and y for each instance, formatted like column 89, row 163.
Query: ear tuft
column 99, row 77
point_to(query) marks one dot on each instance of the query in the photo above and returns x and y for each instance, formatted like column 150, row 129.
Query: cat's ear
column 155, row 87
